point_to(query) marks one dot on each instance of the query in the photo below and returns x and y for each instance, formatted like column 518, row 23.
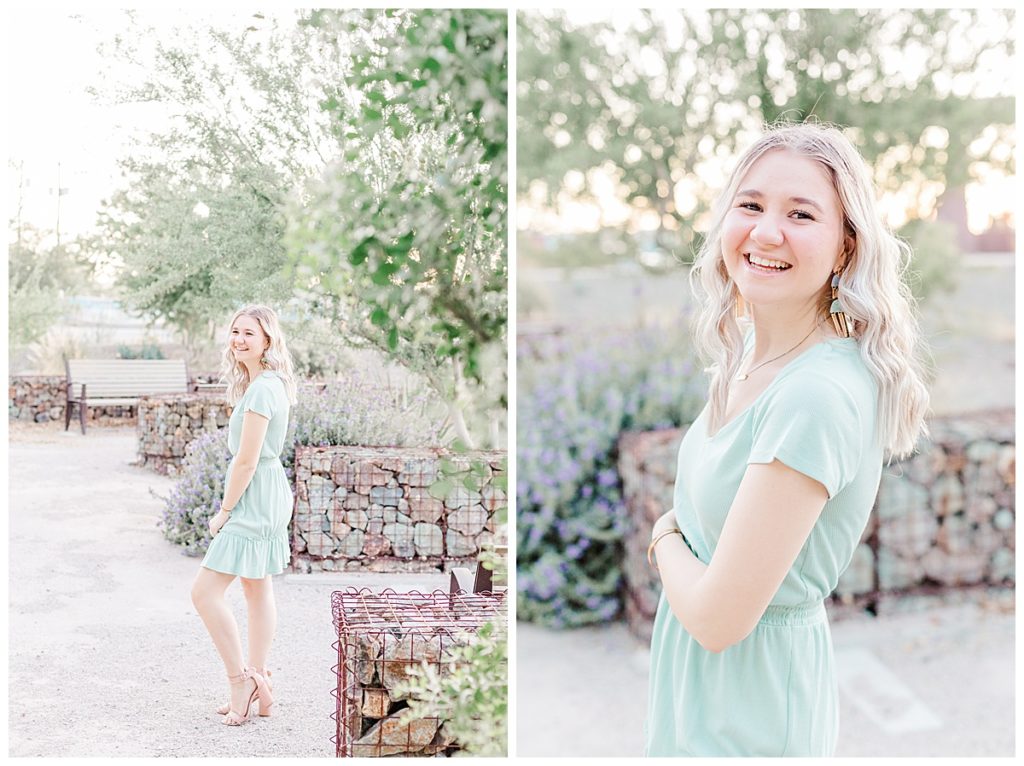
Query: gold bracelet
column 650, row 548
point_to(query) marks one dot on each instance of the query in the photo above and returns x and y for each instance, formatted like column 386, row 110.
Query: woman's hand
column 218, row 521
column 664, row 523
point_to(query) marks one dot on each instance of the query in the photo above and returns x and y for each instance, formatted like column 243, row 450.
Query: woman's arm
column 254, row 428
column 770, row 518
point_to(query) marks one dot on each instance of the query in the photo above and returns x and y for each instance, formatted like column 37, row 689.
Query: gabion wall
column 166, row 425
column 945, row 517
column 41, row 399
column 383, row 640
column 371, row 508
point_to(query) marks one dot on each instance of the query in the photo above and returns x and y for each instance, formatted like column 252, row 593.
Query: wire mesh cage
column 360, row 508
column 383, row 637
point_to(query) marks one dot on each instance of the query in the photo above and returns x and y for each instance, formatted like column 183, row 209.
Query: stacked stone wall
column 167, row 424
column 384, row 640
column 42, row 399
column 371, row 508
column 943, row 518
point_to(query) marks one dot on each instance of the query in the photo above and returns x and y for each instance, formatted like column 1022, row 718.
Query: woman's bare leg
column 208, row 598
column 259, row 597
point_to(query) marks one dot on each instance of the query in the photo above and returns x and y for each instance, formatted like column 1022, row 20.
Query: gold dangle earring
column 842, row 322
column 740, row 309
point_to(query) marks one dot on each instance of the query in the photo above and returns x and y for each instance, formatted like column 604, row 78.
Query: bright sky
column 56, row 126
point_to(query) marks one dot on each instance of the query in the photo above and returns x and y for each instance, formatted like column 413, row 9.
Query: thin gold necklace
column 744, row 375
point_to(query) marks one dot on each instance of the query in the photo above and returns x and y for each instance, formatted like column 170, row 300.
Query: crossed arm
column 771, row 517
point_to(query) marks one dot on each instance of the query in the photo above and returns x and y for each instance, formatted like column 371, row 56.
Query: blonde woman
column 250, row 531
column 814, row 383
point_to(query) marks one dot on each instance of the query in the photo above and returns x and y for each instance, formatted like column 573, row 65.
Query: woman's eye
column 803, row 215
column 750, row 205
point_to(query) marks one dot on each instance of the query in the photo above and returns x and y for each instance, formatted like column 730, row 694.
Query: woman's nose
column 767, row 231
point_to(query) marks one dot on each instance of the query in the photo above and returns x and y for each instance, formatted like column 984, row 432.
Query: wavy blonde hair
column 275, row 358
column 871, row 288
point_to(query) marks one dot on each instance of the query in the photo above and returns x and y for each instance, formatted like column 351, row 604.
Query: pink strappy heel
column 265, row 708
column 236, row 719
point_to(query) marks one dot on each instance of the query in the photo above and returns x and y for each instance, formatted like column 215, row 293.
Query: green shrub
column 146, row 351
column 469, row 692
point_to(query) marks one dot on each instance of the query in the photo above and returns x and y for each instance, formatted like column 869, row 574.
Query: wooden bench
column 119, row 382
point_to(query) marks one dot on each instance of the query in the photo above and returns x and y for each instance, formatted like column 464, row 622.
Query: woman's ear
column 849, row 247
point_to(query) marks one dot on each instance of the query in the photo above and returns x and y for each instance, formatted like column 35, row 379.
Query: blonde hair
column 275, row 358
column 871, row 289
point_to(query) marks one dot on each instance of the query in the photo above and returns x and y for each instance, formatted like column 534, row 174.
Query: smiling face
column 248, row 341
column 783, row 235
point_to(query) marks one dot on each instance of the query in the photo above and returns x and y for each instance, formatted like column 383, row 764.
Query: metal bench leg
column 82, row 407
column 67, row 415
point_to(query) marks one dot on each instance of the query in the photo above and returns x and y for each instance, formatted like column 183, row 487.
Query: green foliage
column 146, row 351
column 39, row 278
column 935, row 258
column 405, row 233
column 356, row 411
column 469, row 692
column 662, row 106
column 315, row 343
column 193, row 249
column 198, row 227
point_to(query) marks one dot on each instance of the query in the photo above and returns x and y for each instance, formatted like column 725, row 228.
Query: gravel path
column 107, row 656
column 931, row 681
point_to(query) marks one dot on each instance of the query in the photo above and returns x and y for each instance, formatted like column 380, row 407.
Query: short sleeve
column 812, row 424
column 261, row 400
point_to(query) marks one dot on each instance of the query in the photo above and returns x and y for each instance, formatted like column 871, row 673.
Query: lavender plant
column 354, row 410
column 197, row 495
column 576, row 395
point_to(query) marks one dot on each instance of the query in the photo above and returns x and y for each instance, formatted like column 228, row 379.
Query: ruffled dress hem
column 253, row 558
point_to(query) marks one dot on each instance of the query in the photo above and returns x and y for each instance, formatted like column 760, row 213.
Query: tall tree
column 405, row 234
column 663, row 105
column 198, row 225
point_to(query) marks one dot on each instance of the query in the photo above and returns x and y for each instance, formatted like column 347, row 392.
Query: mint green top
column 254, row 541
column 773, row 693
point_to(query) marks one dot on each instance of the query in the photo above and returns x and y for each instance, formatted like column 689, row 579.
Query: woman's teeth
column 766, row 262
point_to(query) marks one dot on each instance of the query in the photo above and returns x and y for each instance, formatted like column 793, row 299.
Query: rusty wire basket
column 382, row 636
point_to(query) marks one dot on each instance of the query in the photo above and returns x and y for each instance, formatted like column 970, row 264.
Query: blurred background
column 629, row 122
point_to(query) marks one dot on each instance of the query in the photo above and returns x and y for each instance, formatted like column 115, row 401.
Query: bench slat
column 126, row 379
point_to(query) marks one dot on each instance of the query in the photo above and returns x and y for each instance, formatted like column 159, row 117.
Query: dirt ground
column 107, row 656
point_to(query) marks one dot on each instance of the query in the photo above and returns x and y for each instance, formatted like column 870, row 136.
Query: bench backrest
column 108, row 378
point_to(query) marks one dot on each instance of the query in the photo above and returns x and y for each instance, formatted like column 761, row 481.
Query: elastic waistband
column 805, row 614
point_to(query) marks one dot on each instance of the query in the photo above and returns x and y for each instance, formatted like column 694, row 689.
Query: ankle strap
column 243, row 676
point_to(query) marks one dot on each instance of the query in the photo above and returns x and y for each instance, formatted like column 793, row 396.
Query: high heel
column 237, row 719
column 265, row 709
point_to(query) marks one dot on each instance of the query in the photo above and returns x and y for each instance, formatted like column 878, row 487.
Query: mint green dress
column 254, row 541
column 774, row 693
